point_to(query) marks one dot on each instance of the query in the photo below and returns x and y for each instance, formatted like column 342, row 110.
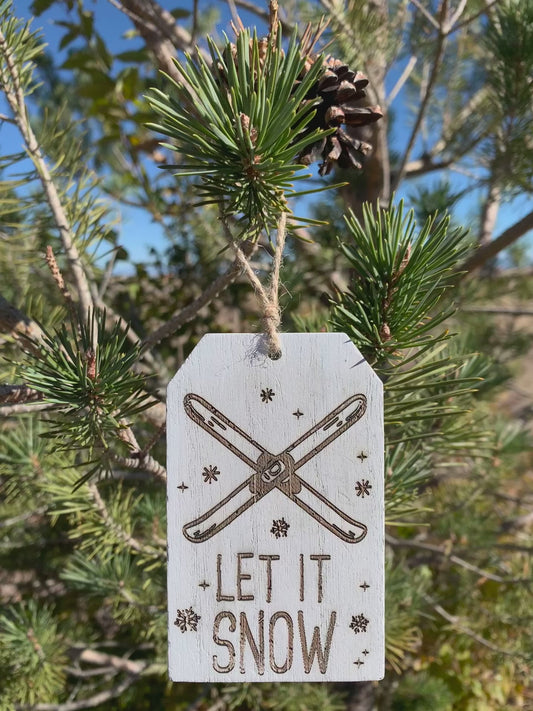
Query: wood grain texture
column 275, row 512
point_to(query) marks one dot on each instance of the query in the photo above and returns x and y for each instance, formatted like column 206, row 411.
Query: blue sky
column 138, row 232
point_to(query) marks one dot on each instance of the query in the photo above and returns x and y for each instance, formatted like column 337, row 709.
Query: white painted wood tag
column 275, row 512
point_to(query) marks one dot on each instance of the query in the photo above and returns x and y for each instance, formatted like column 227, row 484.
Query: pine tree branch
column 497, row 311
column 455, row 16
column 429, row 17
column 90, row 656
column 488, row 251
column 190, row 311
column 461, row 628
column 18, row 394
column 144, row 463
column 159, row 30
column 90, row 703
column 426, row 164
column 15, row 97
column 24, row 409
column 116, row 528
column 444, row 553
column 19, row 326
column 471, row 18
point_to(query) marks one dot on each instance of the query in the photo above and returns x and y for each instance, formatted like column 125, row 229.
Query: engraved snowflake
column 267, row 394
column 280, row 528
column 363, row 488
column 359, row 623
column 210, row 474
column 187, row 620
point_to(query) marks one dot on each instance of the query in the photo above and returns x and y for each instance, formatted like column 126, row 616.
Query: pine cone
column 341, row 90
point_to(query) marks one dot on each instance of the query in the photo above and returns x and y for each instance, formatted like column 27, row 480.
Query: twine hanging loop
column 269, row 299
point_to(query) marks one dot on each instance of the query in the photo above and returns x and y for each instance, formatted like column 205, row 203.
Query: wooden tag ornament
column 275, row 512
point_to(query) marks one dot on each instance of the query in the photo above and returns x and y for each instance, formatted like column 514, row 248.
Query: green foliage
column 87, row 376
column 419, row 692
column 285, row 697
column 30, row 648
column 458, row 471
column 236, row 121
column 509, row 43
column 401, row 277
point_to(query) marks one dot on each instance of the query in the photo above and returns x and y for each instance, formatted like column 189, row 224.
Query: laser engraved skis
column 277, row 471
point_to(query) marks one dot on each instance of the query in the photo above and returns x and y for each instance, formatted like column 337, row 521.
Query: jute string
column 268, row 298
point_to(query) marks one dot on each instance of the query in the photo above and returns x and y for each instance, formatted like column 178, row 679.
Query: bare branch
column 429, row 17
column 90, row 656
column 189, row 312
column 16, row 100
column 488, row 251
column 401, row 543
column 425, row 165
column 498, row 311
column 24, row 409
column 18, row 394
column 402, row 79
column 19, row 326
column 159, row 30
column 144, row 463
column 258, row 11
column 460, row 627
column 471, row 18
column 455, row 17
column 89, row 703
column 489, row 214
column 424, row 104
column 116, row 528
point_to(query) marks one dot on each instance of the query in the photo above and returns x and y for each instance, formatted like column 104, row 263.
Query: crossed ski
column 274, row 471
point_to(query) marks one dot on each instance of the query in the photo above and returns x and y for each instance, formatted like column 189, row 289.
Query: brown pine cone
column 341, row 91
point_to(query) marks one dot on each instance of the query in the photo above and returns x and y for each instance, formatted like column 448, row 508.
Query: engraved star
column 203, row 585
column 362, row 456
column 365, row 652
column 267, row 394
column 182, row 486
column 210, row 474
column 365, row 586
column 358, row 662
column 363, row 488
column 298, row 414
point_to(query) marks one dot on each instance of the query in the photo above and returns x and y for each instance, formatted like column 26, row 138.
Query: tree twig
column 15, row 97
column 18, row 394
column 144, row 463
column 116, row 528
column 429, row 17
column 489, row 214
column 400, row 543
column 91, row 656
column 460, row 627
column 402, row 79
column 498, row 311
column 90, row 703
column 190, row 311
column 471, row 18
column 19, row 326
column 488, row 251
column 432, row 79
